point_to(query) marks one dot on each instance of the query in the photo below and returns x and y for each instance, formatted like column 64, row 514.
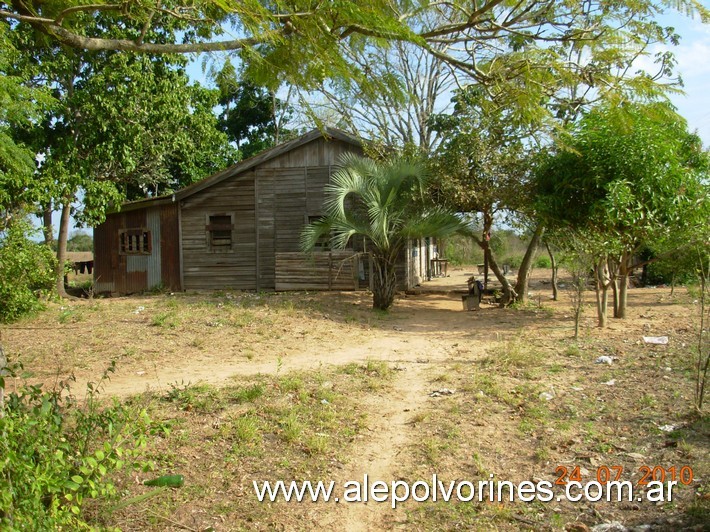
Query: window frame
column 211, row 227
column 144, row 242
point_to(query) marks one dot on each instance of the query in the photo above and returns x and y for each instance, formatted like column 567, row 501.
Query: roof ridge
column 326, row 132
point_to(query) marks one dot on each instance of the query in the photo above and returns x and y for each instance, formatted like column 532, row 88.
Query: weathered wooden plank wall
column 235, row 268
column 337, row 270
column 290, row 207
column 319, row 152
column 270, row 204
column 266, row 214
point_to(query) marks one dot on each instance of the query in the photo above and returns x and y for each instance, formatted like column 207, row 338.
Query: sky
column 693, row 56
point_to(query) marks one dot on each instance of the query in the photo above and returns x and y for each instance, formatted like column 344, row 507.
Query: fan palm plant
column 386, row 203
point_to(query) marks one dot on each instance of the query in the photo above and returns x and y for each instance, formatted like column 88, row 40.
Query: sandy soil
column 421, row 325
column 425, row 333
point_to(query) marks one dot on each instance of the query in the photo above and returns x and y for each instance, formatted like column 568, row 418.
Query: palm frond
column 313, row 232
column 382, row 202
column 435, row 222
column 343, row 230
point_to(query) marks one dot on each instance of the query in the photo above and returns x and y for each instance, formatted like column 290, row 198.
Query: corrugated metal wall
column 106, row 253
column 128, row 274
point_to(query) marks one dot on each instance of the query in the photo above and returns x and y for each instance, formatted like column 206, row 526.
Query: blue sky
column 693, row 56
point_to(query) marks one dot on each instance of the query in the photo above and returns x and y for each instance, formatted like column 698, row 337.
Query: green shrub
column 513, row 261
column 56, row 453
column 543, row 261
column 26, row 272
column 679, row 269
column 462, row 250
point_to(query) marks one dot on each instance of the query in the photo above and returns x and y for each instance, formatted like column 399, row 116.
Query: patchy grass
column 527, row 400
column 582, row 422
column 170, row 328
column 294, row 426
column 514, row 357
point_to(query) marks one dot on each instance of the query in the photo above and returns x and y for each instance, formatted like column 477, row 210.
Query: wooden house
column 238, row 229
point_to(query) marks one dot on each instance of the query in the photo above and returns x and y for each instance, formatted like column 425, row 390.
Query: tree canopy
column 20, row 107
column 305, row 43
column 634, row 172
column 253, row 117
column 121, row 126
column 627, row 177
column 483, row 168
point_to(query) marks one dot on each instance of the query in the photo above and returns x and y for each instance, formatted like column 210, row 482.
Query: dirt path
column 428, row 343
column 390, row 348
column 156, row 341
column 381, row 454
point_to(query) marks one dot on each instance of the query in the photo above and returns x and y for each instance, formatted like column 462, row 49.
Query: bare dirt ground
column 525, row 399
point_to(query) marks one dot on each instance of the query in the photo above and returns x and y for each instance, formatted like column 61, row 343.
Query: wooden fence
column 335, row 270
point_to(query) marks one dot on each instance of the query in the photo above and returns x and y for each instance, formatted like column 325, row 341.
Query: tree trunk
column 604, row 307
column 603, row 280
column 485, row 265
column 579, row 285
column 521, row 286
column 485, row 243
column 577, row 319
column 274, row 118
column 62, row 247
column 555, row 268
column 47, row 229
column 508, row 290
column 624, row 271
column 384, row 284
column 613, row 276
column 615, row 292
column 490, row 262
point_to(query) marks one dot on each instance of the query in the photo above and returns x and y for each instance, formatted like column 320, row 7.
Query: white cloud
column 693, row 65
column 693, row 58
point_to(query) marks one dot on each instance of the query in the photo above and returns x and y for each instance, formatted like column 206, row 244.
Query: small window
column 219, row 231
column 323, row 243
column 134, row 242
